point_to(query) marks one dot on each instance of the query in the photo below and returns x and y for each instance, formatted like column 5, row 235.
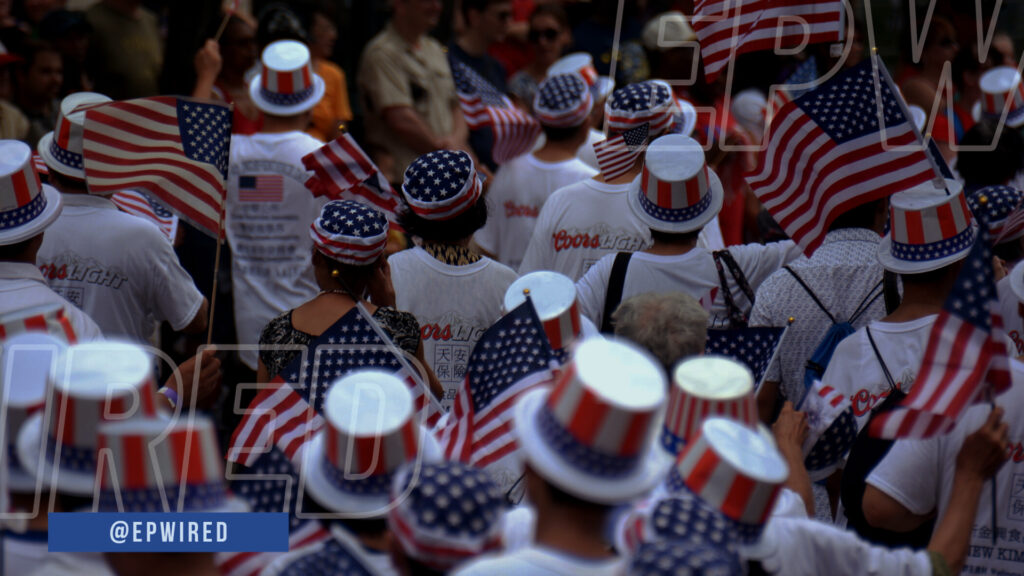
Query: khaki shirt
column 392, row 73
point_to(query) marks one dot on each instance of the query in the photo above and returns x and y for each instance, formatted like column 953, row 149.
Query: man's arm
column 407, row 126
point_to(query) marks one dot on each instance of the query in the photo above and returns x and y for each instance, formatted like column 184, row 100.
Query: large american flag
column 804, row 75
column 511, row 357
column 728, row 28
column 617, row 155
column 966, row 356
column 173, row 148
column 342, row 171
column 515, row 132
column 827, row 152
column 141, row 205
column 754, row 347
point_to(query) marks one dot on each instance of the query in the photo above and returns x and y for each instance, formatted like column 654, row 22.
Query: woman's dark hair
column 445, row 231
column 358, row 527
column 417, row 568
column 990, row 167
column 278, row 22
column 556, row 134
column 353, row 276
column 555, row 11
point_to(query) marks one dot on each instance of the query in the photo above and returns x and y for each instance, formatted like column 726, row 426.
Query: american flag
column 514, row 131
column 287, row 413
column 827, row 153
column 174, row 148
column 728, row 28
column 806, row 73
column 261, row 188
column 965, row 358
column 511, row 357
column 754, row 347
column 342, row 171
column 616, row 155
column 40, row 165
column 141, row 205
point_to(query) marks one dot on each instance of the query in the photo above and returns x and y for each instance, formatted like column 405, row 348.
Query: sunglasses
column 548, row 34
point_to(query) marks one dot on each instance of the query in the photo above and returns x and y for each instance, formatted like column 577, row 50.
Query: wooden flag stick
column 216, row 274
column 224, row 23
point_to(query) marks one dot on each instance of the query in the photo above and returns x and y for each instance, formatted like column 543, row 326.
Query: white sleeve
column 910, row 474
column 173, row 293
column 759, row 261
column 592, row 289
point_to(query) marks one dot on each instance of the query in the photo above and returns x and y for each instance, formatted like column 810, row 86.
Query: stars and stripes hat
column 554, row 298
column 704, row 387
column 832, row 428
column 1001, row 87
column 446, row 513
column 95, row 382
column 26, row 368
column 591, row 433
column 441, row 185
column 582, row 63
column 48, row 318
column 371, row 430
column 286, row 84
column 676, row 192
column 61, row 149
column 673, row 558
column 562, row 101
column 734, row 469
column 649, row 102
column 677, row 518
column 27, row 206
column 350, row 232
column 1001, row 201
column 151, row 465
column 928, row 229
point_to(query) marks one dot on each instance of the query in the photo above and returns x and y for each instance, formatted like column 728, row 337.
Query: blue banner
column 168, row 532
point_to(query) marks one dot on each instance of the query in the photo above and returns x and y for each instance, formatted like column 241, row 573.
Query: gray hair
column 670, row 325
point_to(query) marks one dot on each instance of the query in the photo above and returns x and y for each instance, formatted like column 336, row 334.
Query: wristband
column 171, row 395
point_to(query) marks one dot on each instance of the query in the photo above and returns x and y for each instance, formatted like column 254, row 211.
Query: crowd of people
column 504, row 370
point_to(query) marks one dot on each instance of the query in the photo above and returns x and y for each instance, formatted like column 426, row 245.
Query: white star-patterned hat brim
column 717, row 198
column 651, row 467
column 277, row 110
column 893, row 264
column 1014, row 119
column 1017, row 281
column 54, row 205
column 361, row 505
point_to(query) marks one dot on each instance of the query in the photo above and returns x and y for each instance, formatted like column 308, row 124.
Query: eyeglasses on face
column 548, row 34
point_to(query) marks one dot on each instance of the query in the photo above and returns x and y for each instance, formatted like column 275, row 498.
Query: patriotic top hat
column 649, row 102
column 350, row 232
column 680, row 558
column 554, row 298
column 1000, row 85
column 1001, row 201
column 27, row 206
column 152, row 464
column 675, row 518
column 47, row 318
column 286, row 84
column 928, row 229
column 562, row 101
column 590, row 434
column 441, row 185
column 703, row 387
column 371, row 431
column 95, row 382
column 735, row 469
column 582, row 63
column 61, row 149
column 676, row 192
column 446, row 513
column 832, row 429
column 26, row 369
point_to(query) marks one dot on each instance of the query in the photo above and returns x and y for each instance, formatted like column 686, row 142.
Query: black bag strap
column 857, row 313
column 868, row 301
column 613, row 297
column 810, row 293
column 892, row 291
column 878, row 355
column 737, row 318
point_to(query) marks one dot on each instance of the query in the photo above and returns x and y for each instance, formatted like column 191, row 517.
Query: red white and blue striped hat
column 1000, row 203
column 1001, row 87
column 446, row 513
column 441, row 185
column 562, row 101
column 649, row 102
column 371, row 431
column 95, row 382
column 48, row 318
column 554, row 298
column 591, row 434
column 286, row 84
column 736, row 470
column 151, row 465
column 683, row 558
column 676, row 192
column 675, row 518
column 350, row 232
column 61, row 149
column 582, row 63
column 702, row 388
column 27, row 206
column 928, row 229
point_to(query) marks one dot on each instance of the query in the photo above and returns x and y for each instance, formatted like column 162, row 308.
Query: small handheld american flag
column 754, row 347
column 616, row 155
column 514, row 131
column 342, row 171
column 141, row 205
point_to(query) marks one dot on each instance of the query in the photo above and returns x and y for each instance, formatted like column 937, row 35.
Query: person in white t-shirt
column 116, row 267
column 454, row 292
column 521, row 186
column 268, row 206
column 1000, row 202
column 675, row 196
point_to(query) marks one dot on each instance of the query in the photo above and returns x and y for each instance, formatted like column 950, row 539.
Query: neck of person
column 473, row 44
column 666, row 244
column 68, row 186
column 918, row 301
column 575, row 531
column 279, row 124
column 409, row 30
column 562, row 150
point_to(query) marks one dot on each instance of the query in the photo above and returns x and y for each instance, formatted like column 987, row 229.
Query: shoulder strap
column 810, row 292
column 613, row 297
column 878, row 355
column 892, row 292
column 868, row 301
column 737, row 318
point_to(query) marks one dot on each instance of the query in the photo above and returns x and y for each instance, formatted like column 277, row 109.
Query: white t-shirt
column 919, row 475
column 453, row 304
column 540, row 561
column 118, row 268
column 269, row 212
column 1013, row 324
column 22, row 553
column 855, row 371
column 693, row 273
column 72, row 563
column 22, row 287
column 514, row 201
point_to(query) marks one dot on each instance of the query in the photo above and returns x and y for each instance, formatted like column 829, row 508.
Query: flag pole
column 224, row 22
column 216, row 274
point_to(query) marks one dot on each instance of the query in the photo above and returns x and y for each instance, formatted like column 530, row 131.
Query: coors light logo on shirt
column 597, row 238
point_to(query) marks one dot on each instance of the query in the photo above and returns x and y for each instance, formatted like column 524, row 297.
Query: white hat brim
column 342, row 502
column 30, row 447
column 43, row 149
column 1014, row 119
column 893, row 264
column 54, row 205
column 717, row 199
column 650, row 471
column 277, row 110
